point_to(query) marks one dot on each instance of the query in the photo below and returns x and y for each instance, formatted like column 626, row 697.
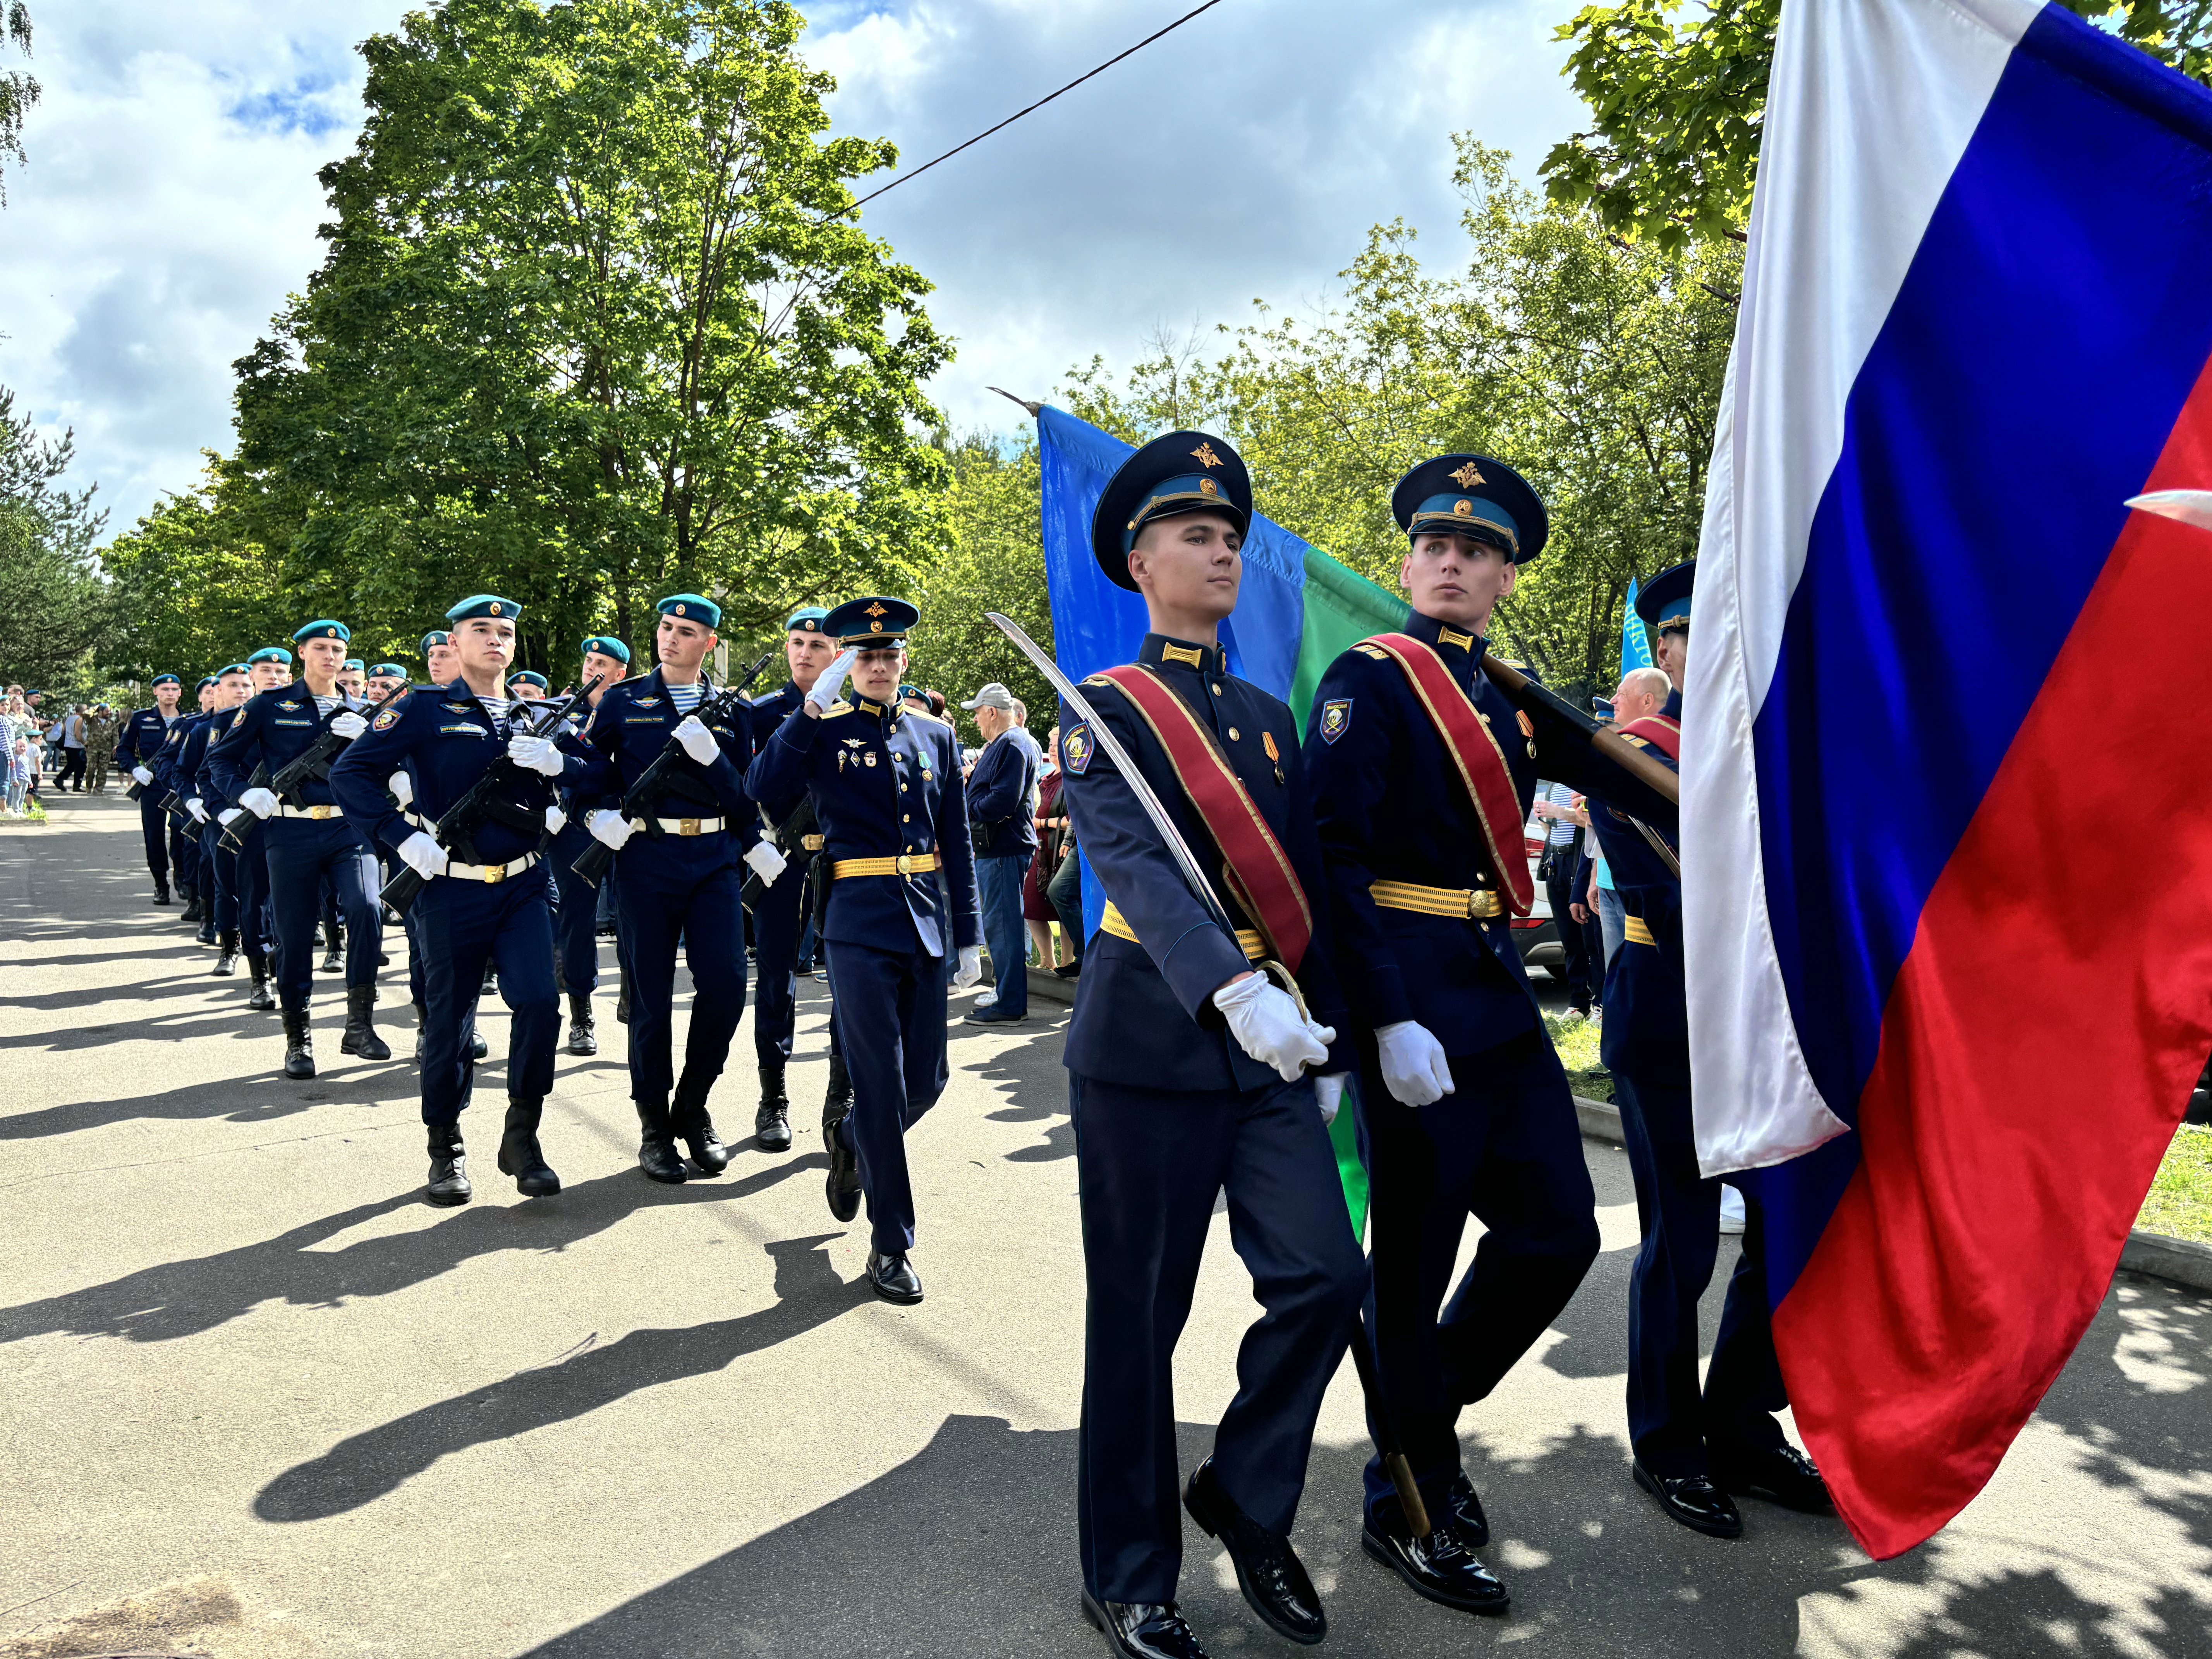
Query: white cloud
column 171, row 203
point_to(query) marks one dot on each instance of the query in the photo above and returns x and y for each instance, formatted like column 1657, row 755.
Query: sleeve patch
column 1335, row 719
column 1076, row 748
column 386, row 721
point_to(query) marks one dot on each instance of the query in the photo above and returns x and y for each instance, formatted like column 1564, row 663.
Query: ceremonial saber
column 1605, row 741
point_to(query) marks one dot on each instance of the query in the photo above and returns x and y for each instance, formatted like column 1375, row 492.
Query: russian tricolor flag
column 1947, row 779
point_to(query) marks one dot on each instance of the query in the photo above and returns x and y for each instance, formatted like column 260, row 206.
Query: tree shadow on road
column 371, row 1464
column 173, row 1299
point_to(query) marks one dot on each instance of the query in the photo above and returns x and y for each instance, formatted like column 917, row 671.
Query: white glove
column 1414, row 1068
column 422, row 854
column 556, row 820
column 698, row 742
column 259, row 802
column 348, row 725
column 831, row 683
column 1328, row 1094
column 610, row 826
column 766, row 861
column 230, row 815
column 141, row 774
column 402, row 787
column 540, row 755
column 971, row 966
column 1266, row 1021
column 197, row 808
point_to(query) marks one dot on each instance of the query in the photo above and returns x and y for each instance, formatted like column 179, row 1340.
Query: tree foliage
column 19, row 90
column 52, row 604
column 1677, row 101
column 1592, row 364
column 592, row 328
column 194, row 591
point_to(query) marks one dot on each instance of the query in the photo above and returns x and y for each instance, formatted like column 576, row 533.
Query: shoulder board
column 916, row 714
column 1630, row 737
column 840, row 706
column 1374, row 651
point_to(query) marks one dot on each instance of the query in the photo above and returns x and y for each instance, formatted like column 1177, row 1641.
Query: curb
column 1600, row 1120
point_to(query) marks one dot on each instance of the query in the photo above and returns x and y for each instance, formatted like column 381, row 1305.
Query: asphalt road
column 260, row 1399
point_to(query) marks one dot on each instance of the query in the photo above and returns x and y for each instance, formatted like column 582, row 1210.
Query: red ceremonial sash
column 1481, row 763
column 1661, row 733
column 1260, row 874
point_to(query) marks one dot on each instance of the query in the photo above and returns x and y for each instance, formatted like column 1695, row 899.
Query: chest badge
column 1268, row 743
column 869, row 758
column 1335, row 719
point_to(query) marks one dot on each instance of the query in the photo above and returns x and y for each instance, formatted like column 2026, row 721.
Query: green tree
column 19, row 90
column 1676, row 104
column 193, row 590
column 593, row 327
column 53, row 606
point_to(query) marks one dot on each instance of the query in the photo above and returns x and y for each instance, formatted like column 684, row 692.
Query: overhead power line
column 1032, row 109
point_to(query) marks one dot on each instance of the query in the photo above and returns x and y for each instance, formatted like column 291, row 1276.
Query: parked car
column 1537, row 933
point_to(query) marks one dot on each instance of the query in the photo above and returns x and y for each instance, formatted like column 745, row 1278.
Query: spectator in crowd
column 1558, row 805
column 1036, row 908
column 1642, row 691
column 1001, row 792
column 72, row 742
column 17, row 758
column 98, row 747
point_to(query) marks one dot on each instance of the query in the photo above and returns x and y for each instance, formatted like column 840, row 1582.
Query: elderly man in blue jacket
column 999, row 791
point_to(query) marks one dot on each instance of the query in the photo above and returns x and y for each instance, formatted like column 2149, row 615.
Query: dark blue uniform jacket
column 1647, row 1021
column 144, row 733
column 1143, row 1012
column 179, row 757
column 273, row 730
column 205, row 784
column 884, row 781
column 626, row 733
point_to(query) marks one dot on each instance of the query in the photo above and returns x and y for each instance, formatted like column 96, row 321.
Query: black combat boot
column 656, row 1150
column 421, row 1020
column 519, row 1155
column 161, row 889
column 206, row 934
column 191, row 910
column 299, row 1044
column 261, row 998
column 771, row 1122
column 227, row 964
column 449, row 1166
column 333, row 955
column 688, row 1117
column 839, row 1100
column 360, row 1038
column 582, row 1038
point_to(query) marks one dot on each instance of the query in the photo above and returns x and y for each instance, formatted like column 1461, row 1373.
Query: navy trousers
column 1150, row 1165
column 779, row 921
column 184, row 851
column 888, row 1010
column 575, row 916
column 1506, row 1148
column 304, row 854
column 1668, row 1424
column 221, row 870
column 665, row 898
column 241, row 890
column 460, row 926
column 154, row 825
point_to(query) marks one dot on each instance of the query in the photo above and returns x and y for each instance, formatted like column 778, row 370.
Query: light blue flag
column 1635, row 643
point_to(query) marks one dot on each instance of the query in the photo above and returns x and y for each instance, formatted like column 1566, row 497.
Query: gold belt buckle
column 905, row 863
column 322, row 811
column 687, row 826
column 494, row 872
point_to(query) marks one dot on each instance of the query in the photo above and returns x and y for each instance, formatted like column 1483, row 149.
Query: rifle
column 485, row 797
column 311, row 763
column 653, row 782
column 789, row 838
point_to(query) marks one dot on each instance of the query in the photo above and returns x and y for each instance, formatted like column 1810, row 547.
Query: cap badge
column 1464, row 509
column 1207, row 458
column 679, row 610
column 1469, row 475
column 494, row 607
column 875, row 627
column 876, row 610
column 1207, row 486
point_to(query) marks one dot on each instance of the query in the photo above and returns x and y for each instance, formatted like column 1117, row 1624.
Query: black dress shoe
column 843, row 1186
column 1143, row 1630
column 1466, row 1511
column 1268, row 1570
column 1783, row 1475
column 1442, row 1567
column 1695, row 1502
column 893, row 1278
column 695, row 1129
column 478, row 1049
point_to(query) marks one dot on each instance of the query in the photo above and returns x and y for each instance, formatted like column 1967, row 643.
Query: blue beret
column 435, row 638
column 1160, row 481
column 324, row 630
column 485, row 605
column 1474, row 497
column 206, row 680
column 387, row 671
column 167, row 679
column 607, row 645
column 527, row 676
column 873, row 622
column 270, row 654
column 1663, row 603
column 353, row 662
column 234, row 668
column 807, row 620
column 691, row 608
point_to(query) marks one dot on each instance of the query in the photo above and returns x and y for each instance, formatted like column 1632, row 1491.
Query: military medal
column 1268, row 743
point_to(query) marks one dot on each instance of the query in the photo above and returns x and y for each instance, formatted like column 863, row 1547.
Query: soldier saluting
column 1188, row 1071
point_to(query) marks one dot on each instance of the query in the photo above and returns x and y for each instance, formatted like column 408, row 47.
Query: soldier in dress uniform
column 1188, row 1071
column 445, row 738
column 681, row 879
column 218, row 868
column 528, row 686
column 1694, row 1449
column 886, row 792
column 443, row 658
column 780, row 909
column 309, row 841
column 1423, row 772
column 353, row 680
column 576, row 906
column 140, row 745
column 267, row 670
column 195, row 876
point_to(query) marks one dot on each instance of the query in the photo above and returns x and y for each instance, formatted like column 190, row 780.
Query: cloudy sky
column 171, row 201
